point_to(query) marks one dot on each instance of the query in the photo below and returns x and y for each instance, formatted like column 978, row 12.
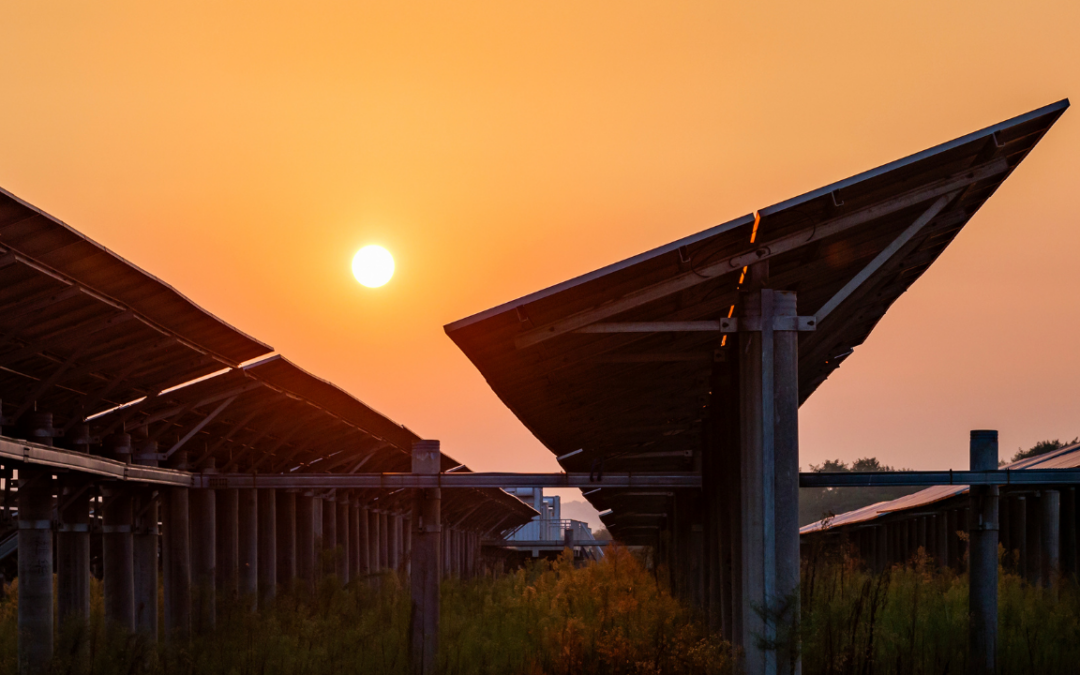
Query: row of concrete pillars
column 1037, row 531
column 224, row 545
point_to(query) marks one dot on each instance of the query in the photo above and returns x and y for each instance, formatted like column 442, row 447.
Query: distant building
column 548, row 533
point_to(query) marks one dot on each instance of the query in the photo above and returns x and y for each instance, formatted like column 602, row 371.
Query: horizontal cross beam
column 762, row 251
column 545, row 543
column 392, row 481
column 963, row 478
column 799, row 323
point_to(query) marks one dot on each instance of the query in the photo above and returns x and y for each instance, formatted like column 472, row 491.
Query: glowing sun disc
column 373, row 266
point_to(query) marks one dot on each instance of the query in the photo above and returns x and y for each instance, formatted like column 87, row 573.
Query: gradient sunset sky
column 243, row 152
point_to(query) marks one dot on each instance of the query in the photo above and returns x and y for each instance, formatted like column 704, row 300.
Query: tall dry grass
column 913, row 620
column 608, row 617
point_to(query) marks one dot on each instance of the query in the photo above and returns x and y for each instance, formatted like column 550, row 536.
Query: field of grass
column 610, row 617
column 914, row 620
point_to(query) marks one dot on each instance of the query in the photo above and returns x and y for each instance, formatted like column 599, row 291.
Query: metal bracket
column 801, row 324
column 35, row 525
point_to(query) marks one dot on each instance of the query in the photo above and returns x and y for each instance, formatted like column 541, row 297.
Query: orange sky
column 244, row 151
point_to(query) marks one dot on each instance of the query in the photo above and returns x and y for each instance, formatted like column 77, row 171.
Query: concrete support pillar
column 395, row 543
column 881, row 558
column 426, row 572
column 203, row 505
column 35, row 538
column 73, row 553
column 343, row 565
column 363, row 535
column 770, row 477
column 1033, row 534
column 373, row 541
column 448, row 552
column 407, row 527
column 116, row 545
column 1068, row 532
column 286, row 537
column 913, row 538
column 317, row 526
column 1051, row 537
column 941, row 537
column 1018, row 533
column 227, row 547
column 267, row 542
column 680, row 533
column 354, row 541
column 983, row 563
column 247, row 546
column 384, row 541
column 330, row 534
column 145, row 540
column 305, row 539
column 117, row 559
column 176, row 557
column 711, row 467
column 144, row 546
column 721, row 474
column 953, row 526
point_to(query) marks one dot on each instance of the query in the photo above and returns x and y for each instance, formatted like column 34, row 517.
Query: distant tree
column 1041, row 448
column 863, row 464
column 818, row 503
column 602, row 534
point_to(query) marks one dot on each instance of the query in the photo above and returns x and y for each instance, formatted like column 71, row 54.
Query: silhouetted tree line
column 1041, row 448
column 818, row 503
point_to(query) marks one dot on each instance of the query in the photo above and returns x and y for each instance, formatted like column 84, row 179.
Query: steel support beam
column 286, row 538
column 144, row 542
column 35, row 570
column 267, row 544
column 176, row 562
column 999, row 477
column 329, row 530
column 384, row 541
column 983, row 563
column 227, row 512
column 305, row 540
column 73, row 552
column 1051, row 538
column 118, row 559
column 247, row 546
column 373, row 541
column 397, row 481
column 364, row 536
column 426, row 567
column 203, row 561
column 343, row 513
column 770, row 479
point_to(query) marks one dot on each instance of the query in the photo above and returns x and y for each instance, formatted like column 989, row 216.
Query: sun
column 373, row 266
